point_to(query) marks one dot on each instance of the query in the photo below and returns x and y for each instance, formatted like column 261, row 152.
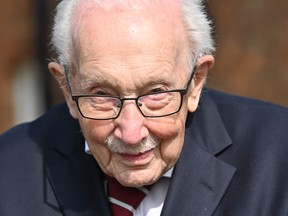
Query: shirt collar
column 87, row 149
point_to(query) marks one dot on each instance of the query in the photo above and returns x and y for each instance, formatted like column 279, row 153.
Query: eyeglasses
column 153, row 105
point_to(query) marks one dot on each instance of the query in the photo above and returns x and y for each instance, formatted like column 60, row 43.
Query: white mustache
column 116, row 145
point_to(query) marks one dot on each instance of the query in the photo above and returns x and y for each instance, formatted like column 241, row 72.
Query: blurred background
column 251, row 58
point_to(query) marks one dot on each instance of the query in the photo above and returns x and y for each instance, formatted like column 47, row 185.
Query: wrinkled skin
column 128, row 53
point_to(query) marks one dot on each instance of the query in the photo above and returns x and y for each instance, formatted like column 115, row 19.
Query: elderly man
column 138, row 121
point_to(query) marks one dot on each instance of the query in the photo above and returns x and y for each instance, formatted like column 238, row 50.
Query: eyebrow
column 86, row 82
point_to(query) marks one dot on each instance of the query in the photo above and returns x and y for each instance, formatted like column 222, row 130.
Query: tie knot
column 124, row 200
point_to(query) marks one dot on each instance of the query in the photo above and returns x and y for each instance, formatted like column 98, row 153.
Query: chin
column 138, row 178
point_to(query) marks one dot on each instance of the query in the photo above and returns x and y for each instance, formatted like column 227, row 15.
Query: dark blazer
column 234, row 163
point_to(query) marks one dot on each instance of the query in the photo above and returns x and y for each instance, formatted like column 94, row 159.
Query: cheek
column 96, row 134
column 170, row 149
column 169, row 128
column 96, row 131
column 171, row 131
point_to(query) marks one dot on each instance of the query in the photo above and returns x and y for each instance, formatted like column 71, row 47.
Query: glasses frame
column 182, row 92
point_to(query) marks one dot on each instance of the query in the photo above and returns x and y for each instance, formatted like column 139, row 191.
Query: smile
column 136, row 157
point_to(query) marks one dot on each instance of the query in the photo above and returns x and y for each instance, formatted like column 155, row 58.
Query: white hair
column 195, row 20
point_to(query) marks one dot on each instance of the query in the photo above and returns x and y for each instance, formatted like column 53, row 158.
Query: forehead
column 122, row 30
column 123, row 42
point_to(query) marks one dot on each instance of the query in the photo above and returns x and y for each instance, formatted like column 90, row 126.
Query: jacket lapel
column 200, row 179
column 75, row 177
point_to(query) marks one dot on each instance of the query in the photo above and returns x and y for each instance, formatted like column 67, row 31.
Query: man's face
column 127, row 54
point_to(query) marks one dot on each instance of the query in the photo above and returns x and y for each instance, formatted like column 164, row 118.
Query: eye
column 101, row 93
column 156, row 90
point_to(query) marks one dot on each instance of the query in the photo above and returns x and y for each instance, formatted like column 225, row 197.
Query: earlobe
column 58, row 72
column 204, row 64
column 195, row 92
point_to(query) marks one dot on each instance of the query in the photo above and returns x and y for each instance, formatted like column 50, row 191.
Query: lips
column 136, row 157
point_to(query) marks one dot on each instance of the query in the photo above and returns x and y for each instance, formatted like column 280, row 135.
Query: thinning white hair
column 195, row 20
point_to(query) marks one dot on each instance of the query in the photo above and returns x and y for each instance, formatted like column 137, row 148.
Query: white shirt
column 153, row 203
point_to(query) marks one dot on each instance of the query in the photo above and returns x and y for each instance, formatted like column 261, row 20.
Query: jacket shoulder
column 259, row 136
column 242, row 108
column 22, row 159
column 253, row 118
column 23, row 136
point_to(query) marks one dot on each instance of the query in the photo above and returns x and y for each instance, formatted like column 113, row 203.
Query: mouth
column 136, row 157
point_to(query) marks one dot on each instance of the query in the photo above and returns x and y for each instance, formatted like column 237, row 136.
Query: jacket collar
column 74, row 176
column 200, row 179
column 205, row 127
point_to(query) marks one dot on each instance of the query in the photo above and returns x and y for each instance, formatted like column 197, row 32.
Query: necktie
column 124, row 200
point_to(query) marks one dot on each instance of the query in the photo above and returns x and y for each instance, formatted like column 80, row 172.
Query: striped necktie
column 124, row 200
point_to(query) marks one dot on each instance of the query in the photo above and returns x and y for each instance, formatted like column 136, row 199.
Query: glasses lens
column 160, row 104
column 99, row 107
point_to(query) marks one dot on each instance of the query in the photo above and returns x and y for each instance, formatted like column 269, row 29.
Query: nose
column 130, row 124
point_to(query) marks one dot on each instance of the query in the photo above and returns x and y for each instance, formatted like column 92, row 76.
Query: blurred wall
column 251, row 57
column 17, row 47
column 252, row 48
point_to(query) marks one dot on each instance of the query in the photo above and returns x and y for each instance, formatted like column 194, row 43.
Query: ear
column 58, row 72
column 204, row 64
